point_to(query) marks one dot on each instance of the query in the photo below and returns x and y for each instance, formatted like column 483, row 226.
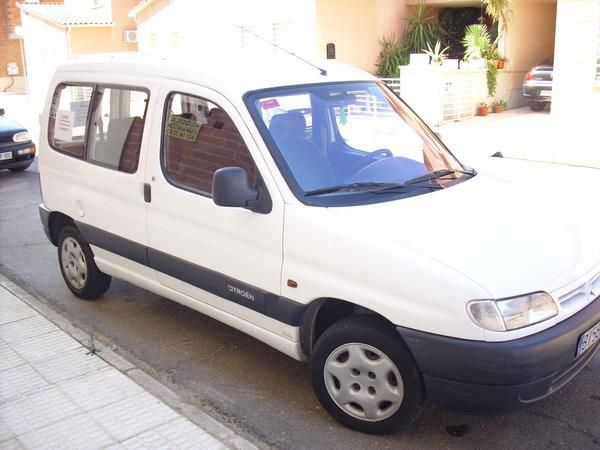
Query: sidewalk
column 55, row 393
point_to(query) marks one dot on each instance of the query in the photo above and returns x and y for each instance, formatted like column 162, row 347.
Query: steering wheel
column 382, row 151
column 370, row 158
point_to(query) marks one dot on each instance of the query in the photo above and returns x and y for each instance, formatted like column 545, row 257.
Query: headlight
column 512, row 313
column 22, row 136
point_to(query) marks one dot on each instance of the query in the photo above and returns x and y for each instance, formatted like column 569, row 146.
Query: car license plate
column 5, row 155
column 546, row 93
column 588, row 339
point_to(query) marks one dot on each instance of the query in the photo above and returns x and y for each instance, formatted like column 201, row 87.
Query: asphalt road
column 261, row 393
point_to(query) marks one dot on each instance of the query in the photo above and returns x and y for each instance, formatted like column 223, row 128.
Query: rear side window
column 117, row 122
column 68, row 116
column 199, row 138
column 101, row 124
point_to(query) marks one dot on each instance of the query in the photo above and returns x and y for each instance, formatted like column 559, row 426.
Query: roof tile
column 68, row 15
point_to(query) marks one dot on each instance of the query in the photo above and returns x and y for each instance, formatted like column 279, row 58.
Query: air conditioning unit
column 130, row 36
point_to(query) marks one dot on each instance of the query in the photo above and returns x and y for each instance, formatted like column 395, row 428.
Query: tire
column 19, row 169
column 537, row 106
column 365, row 377
column 77, row 265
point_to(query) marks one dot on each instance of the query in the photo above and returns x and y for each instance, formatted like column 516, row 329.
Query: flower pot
column 500, row 64
column 497, row 109
column 484, row 110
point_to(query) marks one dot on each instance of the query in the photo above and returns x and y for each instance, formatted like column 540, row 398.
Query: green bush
column 421, row 29
column 394, row 53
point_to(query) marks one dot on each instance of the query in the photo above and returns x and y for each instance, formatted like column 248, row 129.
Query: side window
column 117, row 122
column 199, row 138
column 112, row 137
column 68, row 115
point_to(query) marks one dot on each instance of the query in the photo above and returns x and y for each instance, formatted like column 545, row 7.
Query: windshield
column 350, row 139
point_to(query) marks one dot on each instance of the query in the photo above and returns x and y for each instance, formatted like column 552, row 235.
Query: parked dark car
column 537, row 85
column 16, row 149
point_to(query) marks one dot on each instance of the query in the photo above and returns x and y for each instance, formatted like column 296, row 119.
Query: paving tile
column 98, row 389
column 77, row 432
column 11, row 444
column 68, row 364
column 8, row 357
column 20, row 380
column 44, row 346
column 132, row 416
column 37, row 410
column 177, row 434
column 15, row 332
column 12, row 309
column 6, row 431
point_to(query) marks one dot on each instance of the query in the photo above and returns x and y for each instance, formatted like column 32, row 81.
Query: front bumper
column 498, row 377
column 17, row 160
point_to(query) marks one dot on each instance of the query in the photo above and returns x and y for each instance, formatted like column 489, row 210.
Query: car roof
column 234, row 77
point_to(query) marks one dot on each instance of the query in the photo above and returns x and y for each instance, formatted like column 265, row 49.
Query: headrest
column 118, row 129
column 217, row 118
column 290, row 125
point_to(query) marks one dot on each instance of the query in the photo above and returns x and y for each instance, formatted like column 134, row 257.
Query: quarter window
column 68, row 115
column 199, row 138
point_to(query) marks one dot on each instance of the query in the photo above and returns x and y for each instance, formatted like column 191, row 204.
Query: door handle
column 147, row 193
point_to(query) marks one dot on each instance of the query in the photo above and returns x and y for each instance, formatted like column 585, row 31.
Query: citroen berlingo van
column 309, row 207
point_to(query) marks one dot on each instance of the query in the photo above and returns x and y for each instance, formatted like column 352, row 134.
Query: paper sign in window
column 184, row 129
column 80, row 110
column 63, row 126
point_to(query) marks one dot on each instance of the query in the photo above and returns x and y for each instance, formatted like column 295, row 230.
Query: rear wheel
column 537, row 106
column 365, row 377
column 77, row 265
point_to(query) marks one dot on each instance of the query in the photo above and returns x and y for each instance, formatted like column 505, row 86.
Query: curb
column 227, row 436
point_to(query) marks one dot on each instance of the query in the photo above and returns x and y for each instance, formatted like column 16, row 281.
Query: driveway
column 524, row 134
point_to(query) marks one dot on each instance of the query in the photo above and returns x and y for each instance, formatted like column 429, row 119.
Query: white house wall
column 576, row 99
column 193, row 28
column 45, row 46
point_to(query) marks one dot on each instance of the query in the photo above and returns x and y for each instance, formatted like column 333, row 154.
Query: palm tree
column 499, row 11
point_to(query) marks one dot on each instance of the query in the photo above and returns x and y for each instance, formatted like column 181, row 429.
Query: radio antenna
column 252, row 33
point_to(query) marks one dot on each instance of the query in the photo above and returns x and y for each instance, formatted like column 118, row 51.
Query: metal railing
column 393, row 84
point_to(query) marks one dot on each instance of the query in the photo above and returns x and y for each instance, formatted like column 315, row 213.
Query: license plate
column 588, row 339
column 5, row 155
column 546, row 93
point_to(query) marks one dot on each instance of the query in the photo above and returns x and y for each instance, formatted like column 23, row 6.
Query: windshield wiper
column 369, row 186
column 349, row 187
column 439, row 174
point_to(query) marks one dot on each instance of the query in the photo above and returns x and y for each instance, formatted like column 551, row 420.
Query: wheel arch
column 56, row 222
column 323, row 313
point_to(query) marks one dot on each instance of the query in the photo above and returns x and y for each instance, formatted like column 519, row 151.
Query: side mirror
column 230, row 187
column 1, row 111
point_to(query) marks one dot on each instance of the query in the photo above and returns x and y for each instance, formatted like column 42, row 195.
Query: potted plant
column 499, row 106
column 478, row 47
column 484, row 109
column 437, row 54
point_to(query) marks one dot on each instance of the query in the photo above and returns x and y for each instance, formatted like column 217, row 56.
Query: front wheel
column 19, row 169
column 77, row 265
column 365, row 377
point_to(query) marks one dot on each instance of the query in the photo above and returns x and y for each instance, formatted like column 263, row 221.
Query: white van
column 313, row 210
